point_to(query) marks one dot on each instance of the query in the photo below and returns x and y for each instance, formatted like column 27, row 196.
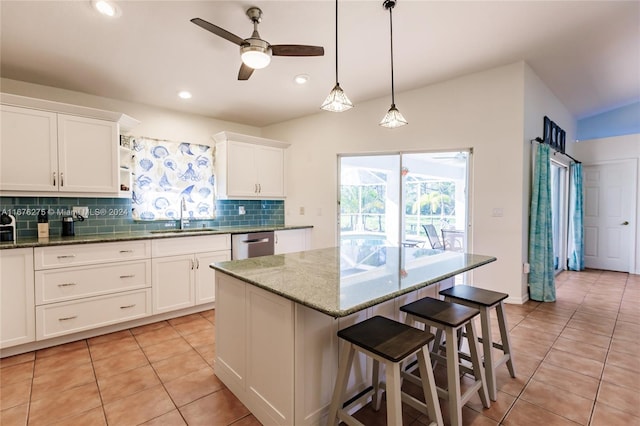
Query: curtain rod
column 555, row 151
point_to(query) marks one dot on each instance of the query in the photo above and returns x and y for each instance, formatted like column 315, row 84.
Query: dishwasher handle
column 256, row 240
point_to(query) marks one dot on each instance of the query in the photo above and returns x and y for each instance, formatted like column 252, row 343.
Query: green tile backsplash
column 110, row 215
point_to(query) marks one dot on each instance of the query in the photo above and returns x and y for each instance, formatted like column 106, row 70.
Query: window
column 391, row 198
column 165, row 173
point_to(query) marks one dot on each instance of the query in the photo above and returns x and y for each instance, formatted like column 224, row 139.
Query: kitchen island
column 277, row 319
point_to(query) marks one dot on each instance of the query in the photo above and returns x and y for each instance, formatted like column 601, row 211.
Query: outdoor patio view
column 392, row 198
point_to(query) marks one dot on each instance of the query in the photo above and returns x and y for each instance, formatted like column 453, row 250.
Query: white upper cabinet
column 29, row 149
column 87, row 155
column 44, row 150
column 249, row 167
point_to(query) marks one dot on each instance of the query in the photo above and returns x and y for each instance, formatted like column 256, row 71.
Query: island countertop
column 341, row 281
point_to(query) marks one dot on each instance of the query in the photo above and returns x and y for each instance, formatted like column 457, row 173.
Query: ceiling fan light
column 337, row 101
column 255, row 57
column 393, row 118
column 107, row 8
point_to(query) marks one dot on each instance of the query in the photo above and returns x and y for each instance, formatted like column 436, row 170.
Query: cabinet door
column 291, row 241
column 205, row 276
column 88, row 155
column 270, row 166
column 173, row 283
column 17, row 304
column 242, row 178
column 29, row 150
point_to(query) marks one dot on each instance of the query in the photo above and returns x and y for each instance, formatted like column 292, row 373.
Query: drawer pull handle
column 66, row 256
column 126, row 251
column 66, row 284
column 127, row 276
column 127, row 306
column 68, row 318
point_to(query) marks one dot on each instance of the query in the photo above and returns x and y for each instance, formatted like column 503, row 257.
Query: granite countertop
column 140, row 235
column 341, row 281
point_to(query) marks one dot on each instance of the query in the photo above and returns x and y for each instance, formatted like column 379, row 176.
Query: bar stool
column 485, row 300
column 450, row 318
column 389, row 342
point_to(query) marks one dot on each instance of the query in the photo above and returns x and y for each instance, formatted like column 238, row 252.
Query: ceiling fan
column 254, row 51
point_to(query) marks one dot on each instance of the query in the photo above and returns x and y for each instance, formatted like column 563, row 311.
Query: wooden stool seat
column 443, row 313
column 389, row 342
column 478, row 296
column 450, row 318
column 485, row 300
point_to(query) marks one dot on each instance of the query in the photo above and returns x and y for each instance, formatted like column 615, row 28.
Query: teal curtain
column 541, row 276
column 576, row 218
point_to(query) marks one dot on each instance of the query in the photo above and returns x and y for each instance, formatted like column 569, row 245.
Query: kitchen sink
column 181, row 231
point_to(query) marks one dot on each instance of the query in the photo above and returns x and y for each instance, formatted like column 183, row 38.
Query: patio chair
column 453, row 240
column 432, row 235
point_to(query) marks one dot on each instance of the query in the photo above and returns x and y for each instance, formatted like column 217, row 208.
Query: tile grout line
column 608, row 352
column 549, row 351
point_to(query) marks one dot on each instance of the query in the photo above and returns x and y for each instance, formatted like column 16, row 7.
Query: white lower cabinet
column 78, row 315
column 292, row 240
column 79, row 287
column 17, row 315
column 256, row 360
column 180, row 272
column 280, row 358
column 206, row 277
column 173, row 283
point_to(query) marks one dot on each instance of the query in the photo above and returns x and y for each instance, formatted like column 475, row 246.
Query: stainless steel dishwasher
column 253, row 244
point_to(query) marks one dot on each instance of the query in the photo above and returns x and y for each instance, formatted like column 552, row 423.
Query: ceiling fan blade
column 218, row 31
column 296, row 50
column 245, row 72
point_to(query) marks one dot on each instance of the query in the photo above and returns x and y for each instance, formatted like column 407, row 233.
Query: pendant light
column 337, row 101
column 393, row 118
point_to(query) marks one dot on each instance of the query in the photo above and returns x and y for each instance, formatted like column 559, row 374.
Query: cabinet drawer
column 71, row 317
column 87, row 254
column 189, row 245
column 57, row 285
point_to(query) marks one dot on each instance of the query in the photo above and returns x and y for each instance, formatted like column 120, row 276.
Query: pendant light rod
column 337, row 100
column 337, row 81
column 389, row 4
column 393, row 118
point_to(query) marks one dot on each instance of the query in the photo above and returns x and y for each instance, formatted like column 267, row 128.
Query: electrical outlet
column 241, row 210
column 80, row 211
column 526, row 268
column 301, row 211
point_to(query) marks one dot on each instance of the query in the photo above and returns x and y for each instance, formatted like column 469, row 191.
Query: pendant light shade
column 337, row 101
column 393, row 118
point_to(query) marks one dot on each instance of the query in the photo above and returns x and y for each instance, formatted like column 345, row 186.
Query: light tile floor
column 576, row 359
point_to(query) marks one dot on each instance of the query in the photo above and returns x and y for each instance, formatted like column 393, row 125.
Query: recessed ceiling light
column 184, row 94
column 301, row 78
column 107, row 7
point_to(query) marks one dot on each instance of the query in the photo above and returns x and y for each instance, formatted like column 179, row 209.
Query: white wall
column 617, row 148
column 155, row 122
column 484, row 111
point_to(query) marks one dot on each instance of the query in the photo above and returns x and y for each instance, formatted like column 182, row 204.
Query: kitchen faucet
column 183, row 207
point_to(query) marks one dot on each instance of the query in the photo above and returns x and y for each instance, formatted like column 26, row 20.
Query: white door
column 610, row 197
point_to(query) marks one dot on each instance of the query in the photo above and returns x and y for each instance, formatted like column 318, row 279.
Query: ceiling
column 587, row 52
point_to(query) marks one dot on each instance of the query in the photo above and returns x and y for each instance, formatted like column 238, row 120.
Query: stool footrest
column 360, row 395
